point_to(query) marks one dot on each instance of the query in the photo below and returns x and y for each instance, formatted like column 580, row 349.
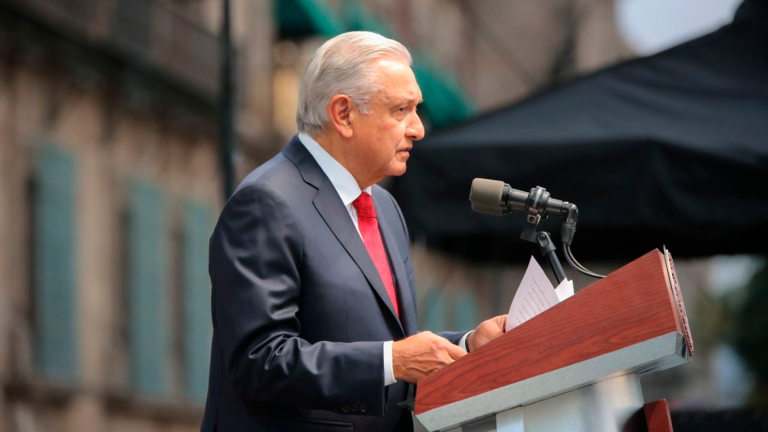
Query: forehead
column 398, row 82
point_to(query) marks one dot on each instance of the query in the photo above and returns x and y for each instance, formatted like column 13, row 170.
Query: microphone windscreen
column 486, row 193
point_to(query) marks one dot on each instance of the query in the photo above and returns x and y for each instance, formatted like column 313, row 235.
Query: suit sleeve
column 255, row 262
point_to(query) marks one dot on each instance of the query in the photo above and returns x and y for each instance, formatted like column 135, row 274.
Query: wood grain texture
column 657, row 416
column 631, row 305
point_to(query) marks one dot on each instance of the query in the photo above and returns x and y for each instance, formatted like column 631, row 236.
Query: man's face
column 383, row 138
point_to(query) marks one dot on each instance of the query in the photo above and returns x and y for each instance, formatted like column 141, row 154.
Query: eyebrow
column 408, row 101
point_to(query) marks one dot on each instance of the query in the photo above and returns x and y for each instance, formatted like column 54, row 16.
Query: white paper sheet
column 535, row 295
column 565, row 289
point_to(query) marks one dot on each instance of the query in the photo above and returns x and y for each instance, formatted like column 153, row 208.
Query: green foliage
column 750, row 333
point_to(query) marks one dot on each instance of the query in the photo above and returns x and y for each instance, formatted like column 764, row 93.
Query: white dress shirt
column 348, row 189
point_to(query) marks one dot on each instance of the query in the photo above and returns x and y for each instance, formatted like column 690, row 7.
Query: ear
column 340, row 111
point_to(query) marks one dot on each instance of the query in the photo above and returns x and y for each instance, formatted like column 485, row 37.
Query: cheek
column 386, row 138
column 397, row 132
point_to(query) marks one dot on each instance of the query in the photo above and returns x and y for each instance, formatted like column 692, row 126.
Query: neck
column 339, row 149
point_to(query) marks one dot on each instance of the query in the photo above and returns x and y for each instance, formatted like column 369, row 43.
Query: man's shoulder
column 272, row 191
column 275, row 173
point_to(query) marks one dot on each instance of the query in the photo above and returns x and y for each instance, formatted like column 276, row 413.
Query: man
column 313, row 300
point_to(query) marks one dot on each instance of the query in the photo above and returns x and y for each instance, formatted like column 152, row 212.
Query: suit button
column 363, row 407
column 345, row 408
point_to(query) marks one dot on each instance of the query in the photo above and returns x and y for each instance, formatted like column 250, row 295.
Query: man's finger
column 500, row 321
column 455, row 352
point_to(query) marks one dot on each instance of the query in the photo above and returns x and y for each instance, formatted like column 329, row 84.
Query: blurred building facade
column 110, row 177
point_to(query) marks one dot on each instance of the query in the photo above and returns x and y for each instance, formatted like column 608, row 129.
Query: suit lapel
column 336, row 216
column 407, row 308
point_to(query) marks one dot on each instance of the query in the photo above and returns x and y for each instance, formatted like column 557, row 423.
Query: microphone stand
column 546, row 245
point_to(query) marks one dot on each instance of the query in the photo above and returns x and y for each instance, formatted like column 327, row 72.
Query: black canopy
column 668, row 149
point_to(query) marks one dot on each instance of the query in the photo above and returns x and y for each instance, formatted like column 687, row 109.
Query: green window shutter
column 54, row 264
column 433, row 310
column 198, row 331
column 147, row 254
column 466, row 311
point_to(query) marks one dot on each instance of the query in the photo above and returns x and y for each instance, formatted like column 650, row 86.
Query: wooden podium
column 574, row 367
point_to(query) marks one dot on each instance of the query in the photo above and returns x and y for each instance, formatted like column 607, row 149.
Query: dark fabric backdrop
column 668, row 149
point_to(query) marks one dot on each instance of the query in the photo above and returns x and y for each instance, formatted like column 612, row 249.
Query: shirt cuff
column 389, row 371
column 463, row 341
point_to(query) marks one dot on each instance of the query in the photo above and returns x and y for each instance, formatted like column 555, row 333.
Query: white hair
column 343, row 65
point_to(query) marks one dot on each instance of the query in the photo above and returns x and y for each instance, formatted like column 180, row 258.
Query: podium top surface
column 610, row 321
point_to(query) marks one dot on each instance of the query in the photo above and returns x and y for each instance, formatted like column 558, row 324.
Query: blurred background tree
column 749, row 333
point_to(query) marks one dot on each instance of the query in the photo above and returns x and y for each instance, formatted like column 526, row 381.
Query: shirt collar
column 344, row 183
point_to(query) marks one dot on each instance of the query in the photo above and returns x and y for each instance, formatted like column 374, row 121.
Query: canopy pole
column 226, row 121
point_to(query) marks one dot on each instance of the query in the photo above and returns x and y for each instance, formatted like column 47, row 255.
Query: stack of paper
column 535, row 295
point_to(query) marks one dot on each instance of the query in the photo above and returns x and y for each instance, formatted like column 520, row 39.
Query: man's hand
column 487, row 331
column 420, row 355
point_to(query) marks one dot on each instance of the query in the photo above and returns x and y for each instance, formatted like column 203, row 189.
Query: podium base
column 613, row 405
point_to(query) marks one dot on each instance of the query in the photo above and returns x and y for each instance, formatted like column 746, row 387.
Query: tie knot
column 364, row 206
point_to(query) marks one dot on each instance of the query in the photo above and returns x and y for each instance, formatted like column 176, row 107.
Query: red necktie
column 369, row 229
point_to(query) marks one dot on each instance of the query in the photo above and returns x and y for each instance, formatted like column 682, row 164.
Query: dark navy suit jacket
column 300, row 313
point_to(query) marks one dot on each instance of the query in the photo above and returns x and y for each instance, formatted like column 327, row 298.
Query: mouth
column 406, row 149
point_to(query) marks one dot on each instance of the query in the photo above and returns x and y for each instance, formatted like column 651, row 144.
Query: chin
column 398, row 170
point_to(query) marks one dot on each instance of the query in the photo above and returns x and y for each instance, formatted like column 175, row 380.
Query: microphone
column 498, row 198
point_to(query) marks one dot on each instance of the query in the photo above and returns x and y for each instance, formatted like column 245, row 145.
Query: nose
column 415, row 129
